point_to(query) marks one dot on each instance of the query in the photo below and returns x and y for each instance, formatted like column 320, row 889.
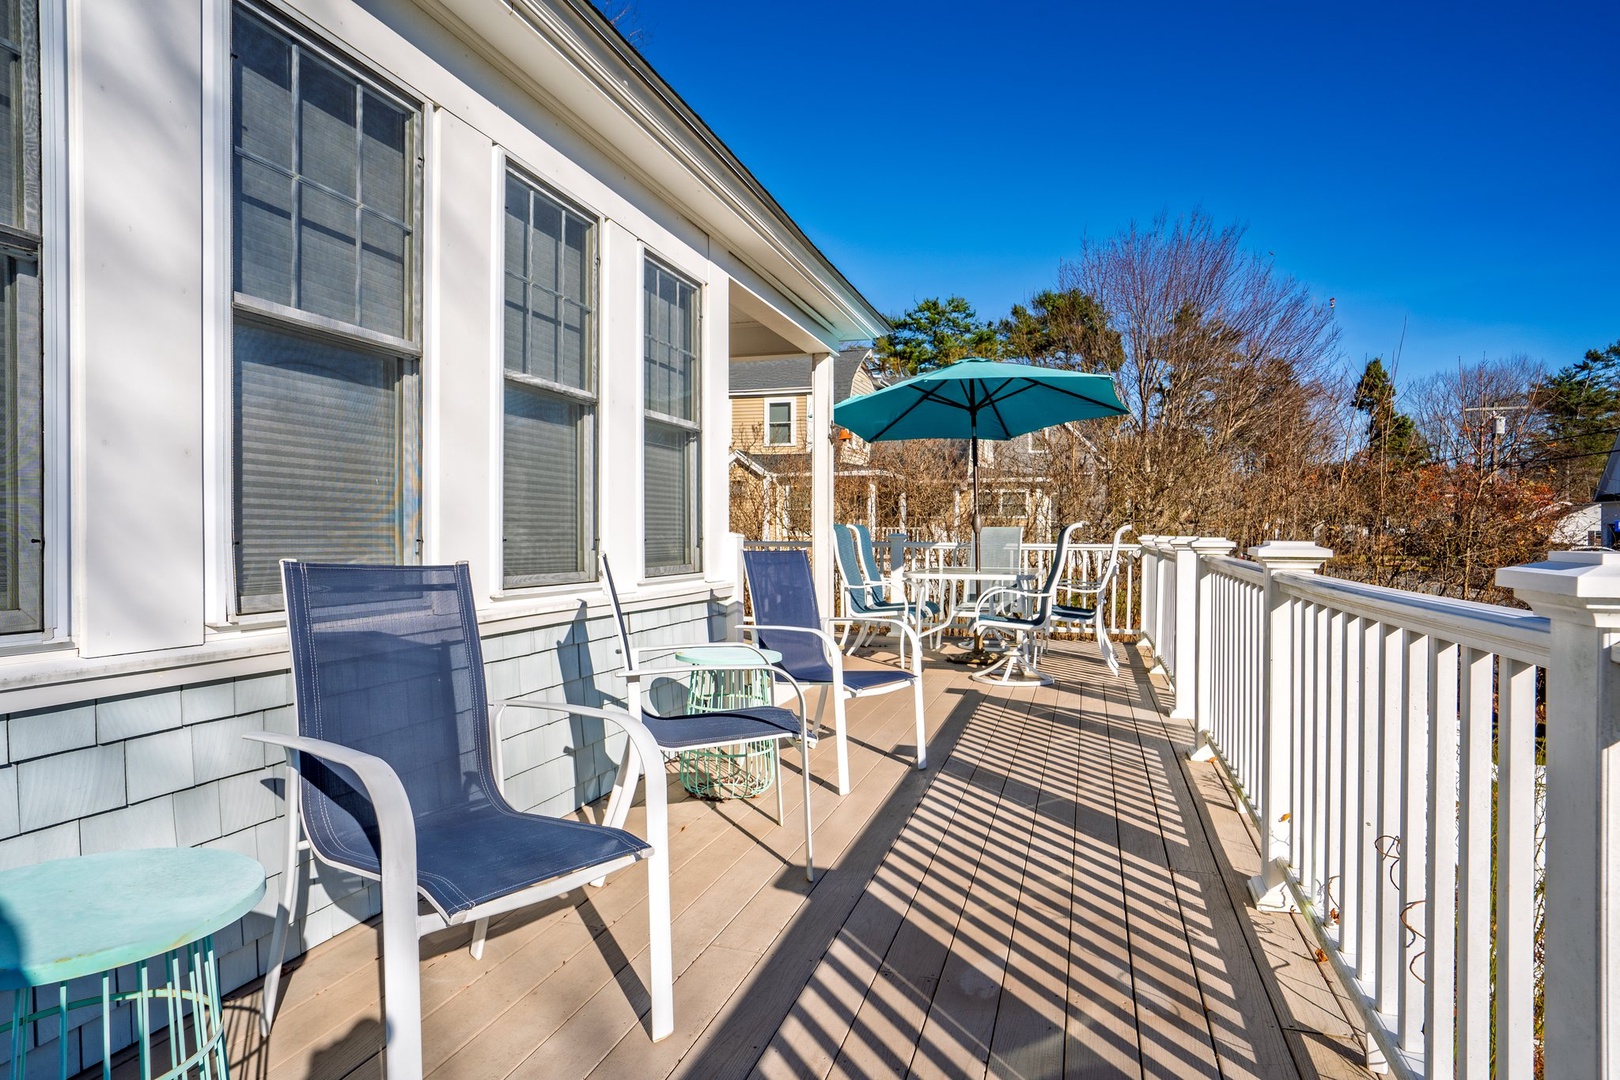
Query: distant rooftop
column 792, row 374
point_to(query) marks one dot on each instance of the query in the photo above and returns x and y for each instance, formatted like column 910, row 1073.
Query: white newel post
column 1200, row 702
column 1579, row 591
column 1270, row 887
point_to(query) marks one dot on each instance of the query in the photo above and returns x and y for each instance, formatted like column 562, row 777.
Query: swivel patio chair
column 393, row 776
column 1019, row 629
column 1097, row 589
column 710, row 729
column 787, row 619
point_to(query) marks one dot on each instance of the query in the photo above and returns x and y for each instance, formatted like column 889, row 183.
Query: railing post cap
column 1300, row 555
column 1212, row 545
column 1579, row 585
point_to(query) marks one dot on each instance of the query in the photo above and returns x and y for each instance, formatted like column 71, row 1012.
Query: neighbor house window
column 22, row 473
column 1011, row 504
column 324, row 350
column 779, row 423
column 670, row 365
column 549, row 488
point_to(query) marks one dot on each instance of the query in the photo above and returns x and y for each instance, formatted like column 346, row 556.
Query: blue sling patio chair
column 1097, row 592
column 787, row 619
column 393, row 776
column 737, row 724
column 1019, row 616
column 865, row 594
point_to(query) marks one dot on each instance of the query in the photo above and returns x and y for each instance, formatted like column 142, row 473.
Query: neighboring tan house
column 770, row 403
column 771, row 451
column 412, row 281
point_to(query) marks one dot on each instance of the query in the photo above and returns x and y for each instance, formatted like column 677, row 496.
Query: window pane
column 22, row 551
column 669, row 502
column 546, row 487
column 779, row 424
column 328, row 255
column 318, row 457
column 328, row 153
column 382, row 158
column 264, row 232
column 264, row 93
column 382, row 275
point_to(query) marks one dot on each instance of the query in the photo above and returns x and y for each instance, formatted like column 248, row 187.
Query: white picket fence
column 1386, row 744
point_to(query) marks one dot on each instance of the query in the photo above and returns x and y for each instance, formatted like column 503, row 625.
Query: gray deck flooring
column 1059, row 894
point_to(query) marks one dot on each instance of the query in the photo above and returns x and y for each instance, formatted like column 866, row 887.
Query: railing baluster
column 1350, row 816
column 1474, row 882
column 1334, row 763
column 1368, row 865
column 1440, row 924
column 1391, row 725
column 1515, row 850
column 1414, row 835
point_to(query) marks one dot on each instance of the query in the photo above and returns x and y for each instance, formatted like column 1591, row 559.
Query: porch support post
column 1269, row 888
column 1203, row 639
column 1579, row 591
column 821, row 478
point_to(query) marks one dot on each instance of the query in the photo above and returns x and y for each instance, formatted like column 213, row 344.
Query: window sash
column 670, row 500
column 325, row 175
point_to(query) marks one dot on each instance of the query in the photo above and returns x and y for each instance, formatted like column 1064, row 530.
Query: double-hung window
column 22, row 473
column 670, row 374
column 549, row 475
column 779, row 423
column 325, row 352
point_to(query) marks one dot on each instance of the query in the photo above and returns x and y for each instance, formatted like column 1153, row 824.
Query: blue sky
column 1454, row 167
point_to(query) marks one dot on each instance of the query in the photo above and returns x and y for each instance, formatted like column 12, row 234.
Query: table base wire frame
column 188, row 994
column 742, row 771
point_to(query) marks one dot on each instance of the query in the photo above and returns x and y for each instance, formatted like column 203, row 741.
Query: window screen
column 22, row 475
column 325, row 426
column 670, row 365
column 549, row 486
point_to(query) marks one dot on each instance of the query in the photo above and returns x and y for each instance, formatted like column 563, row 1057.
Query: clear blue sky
column 1456, row 167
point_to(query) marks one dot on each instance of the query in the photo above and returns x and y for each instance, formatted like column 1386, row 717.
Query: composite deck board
column 1059, row 894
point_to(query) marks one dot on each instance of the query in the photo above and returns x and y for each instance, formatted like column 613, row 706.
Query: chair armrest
column 396, row 822
column 905, row 629
column 978, row 605
column 829, row 648
column 647, row 749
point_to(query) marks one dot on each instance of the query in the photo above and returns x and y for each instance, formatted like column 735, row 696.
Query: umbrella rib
column 925, row 395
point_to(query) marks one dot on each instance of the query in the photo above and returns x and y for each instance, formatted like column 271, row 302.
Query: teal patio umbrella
column 973, row 399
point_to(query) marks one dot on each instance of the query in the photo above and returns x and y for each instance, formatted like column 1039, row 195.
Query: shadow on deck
column 1060, row 894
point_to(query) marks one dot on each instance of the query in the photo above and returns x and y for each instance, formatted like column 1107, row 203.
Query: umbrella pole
column 978, row 526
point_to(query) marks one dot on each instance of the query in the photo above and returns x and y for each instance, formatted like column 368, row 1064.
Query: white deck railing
column 1390, row 748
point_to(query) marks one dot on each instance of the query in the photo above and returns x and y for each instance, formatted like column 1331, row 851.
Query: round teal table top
column 72, row 917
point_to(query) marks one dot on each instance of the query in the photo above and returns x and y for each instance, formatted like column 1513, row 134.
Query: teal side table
column 90, row 915
column 745, row 770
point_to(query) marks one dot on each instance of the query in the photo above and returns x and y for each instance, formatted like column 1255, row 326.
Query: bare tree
column 1221, row 364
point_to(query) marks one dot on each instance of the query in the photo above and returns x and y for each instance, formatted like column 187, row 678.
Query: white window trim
column 793, row 421
column 60, row 182
column 700, row 538
column 506, row 164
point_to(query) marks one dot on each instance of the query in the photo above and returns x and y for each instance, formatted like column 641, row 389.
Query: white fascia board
column 561, row 56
